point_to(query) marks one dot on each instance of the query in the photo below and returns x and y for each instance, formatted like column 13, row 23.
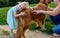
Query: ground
column 29, row 34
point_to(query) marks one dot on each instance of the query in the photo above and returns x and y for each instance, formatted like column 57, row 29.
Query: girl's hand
column 22, row 14
column 38, row 11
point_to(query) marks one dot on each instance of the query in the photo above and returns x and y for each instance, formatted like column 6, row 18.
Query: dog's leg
column 39, row 23
column 19, row 33
column 27, row 25
column 43, row 25
column 25, row 28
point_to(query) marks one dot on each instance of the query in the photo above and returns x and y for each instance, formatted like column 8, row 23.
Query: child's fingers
column 22, row 14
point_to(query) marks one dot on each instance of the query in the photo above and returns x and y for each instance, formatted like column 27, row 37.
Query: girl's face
column 22, row 5
column 20, row 8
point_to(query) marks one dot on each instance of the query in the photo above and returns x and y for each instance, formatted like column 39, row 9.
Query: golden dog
column 24, row 22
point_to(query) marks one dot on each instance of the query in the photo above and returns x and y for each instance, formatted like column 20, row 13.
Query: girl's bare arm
column 17, row 15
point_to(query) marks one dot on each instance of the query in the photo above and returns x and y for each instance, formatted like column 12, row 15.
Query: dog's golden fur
column 25, row 21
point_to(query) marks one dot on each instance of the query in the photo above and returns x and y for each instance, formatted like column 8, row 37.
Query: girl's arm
column 17, row 15
column 52, row 13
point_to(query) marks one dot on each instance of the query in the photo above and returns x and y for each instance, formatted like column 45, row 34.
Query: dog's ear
column 42, row 1
column 45, row 1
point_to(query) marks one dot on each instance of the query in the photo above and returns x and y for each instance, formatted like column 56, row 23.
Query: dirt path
column 3, row 36
column 29, row 34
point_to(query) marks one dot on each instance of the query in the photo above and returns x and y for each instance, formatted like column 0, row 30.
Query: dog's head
column 45, row 1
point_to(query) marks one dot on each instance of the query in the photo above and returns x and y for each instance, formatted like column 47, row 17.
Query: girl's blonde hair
column 26, row 4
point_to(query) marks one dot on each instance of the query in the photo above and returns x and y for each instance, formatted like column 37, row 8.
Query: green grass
column 49, row 24
column 5, row 32
column 3, row 14
column 52, row 5
column 32, row 5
